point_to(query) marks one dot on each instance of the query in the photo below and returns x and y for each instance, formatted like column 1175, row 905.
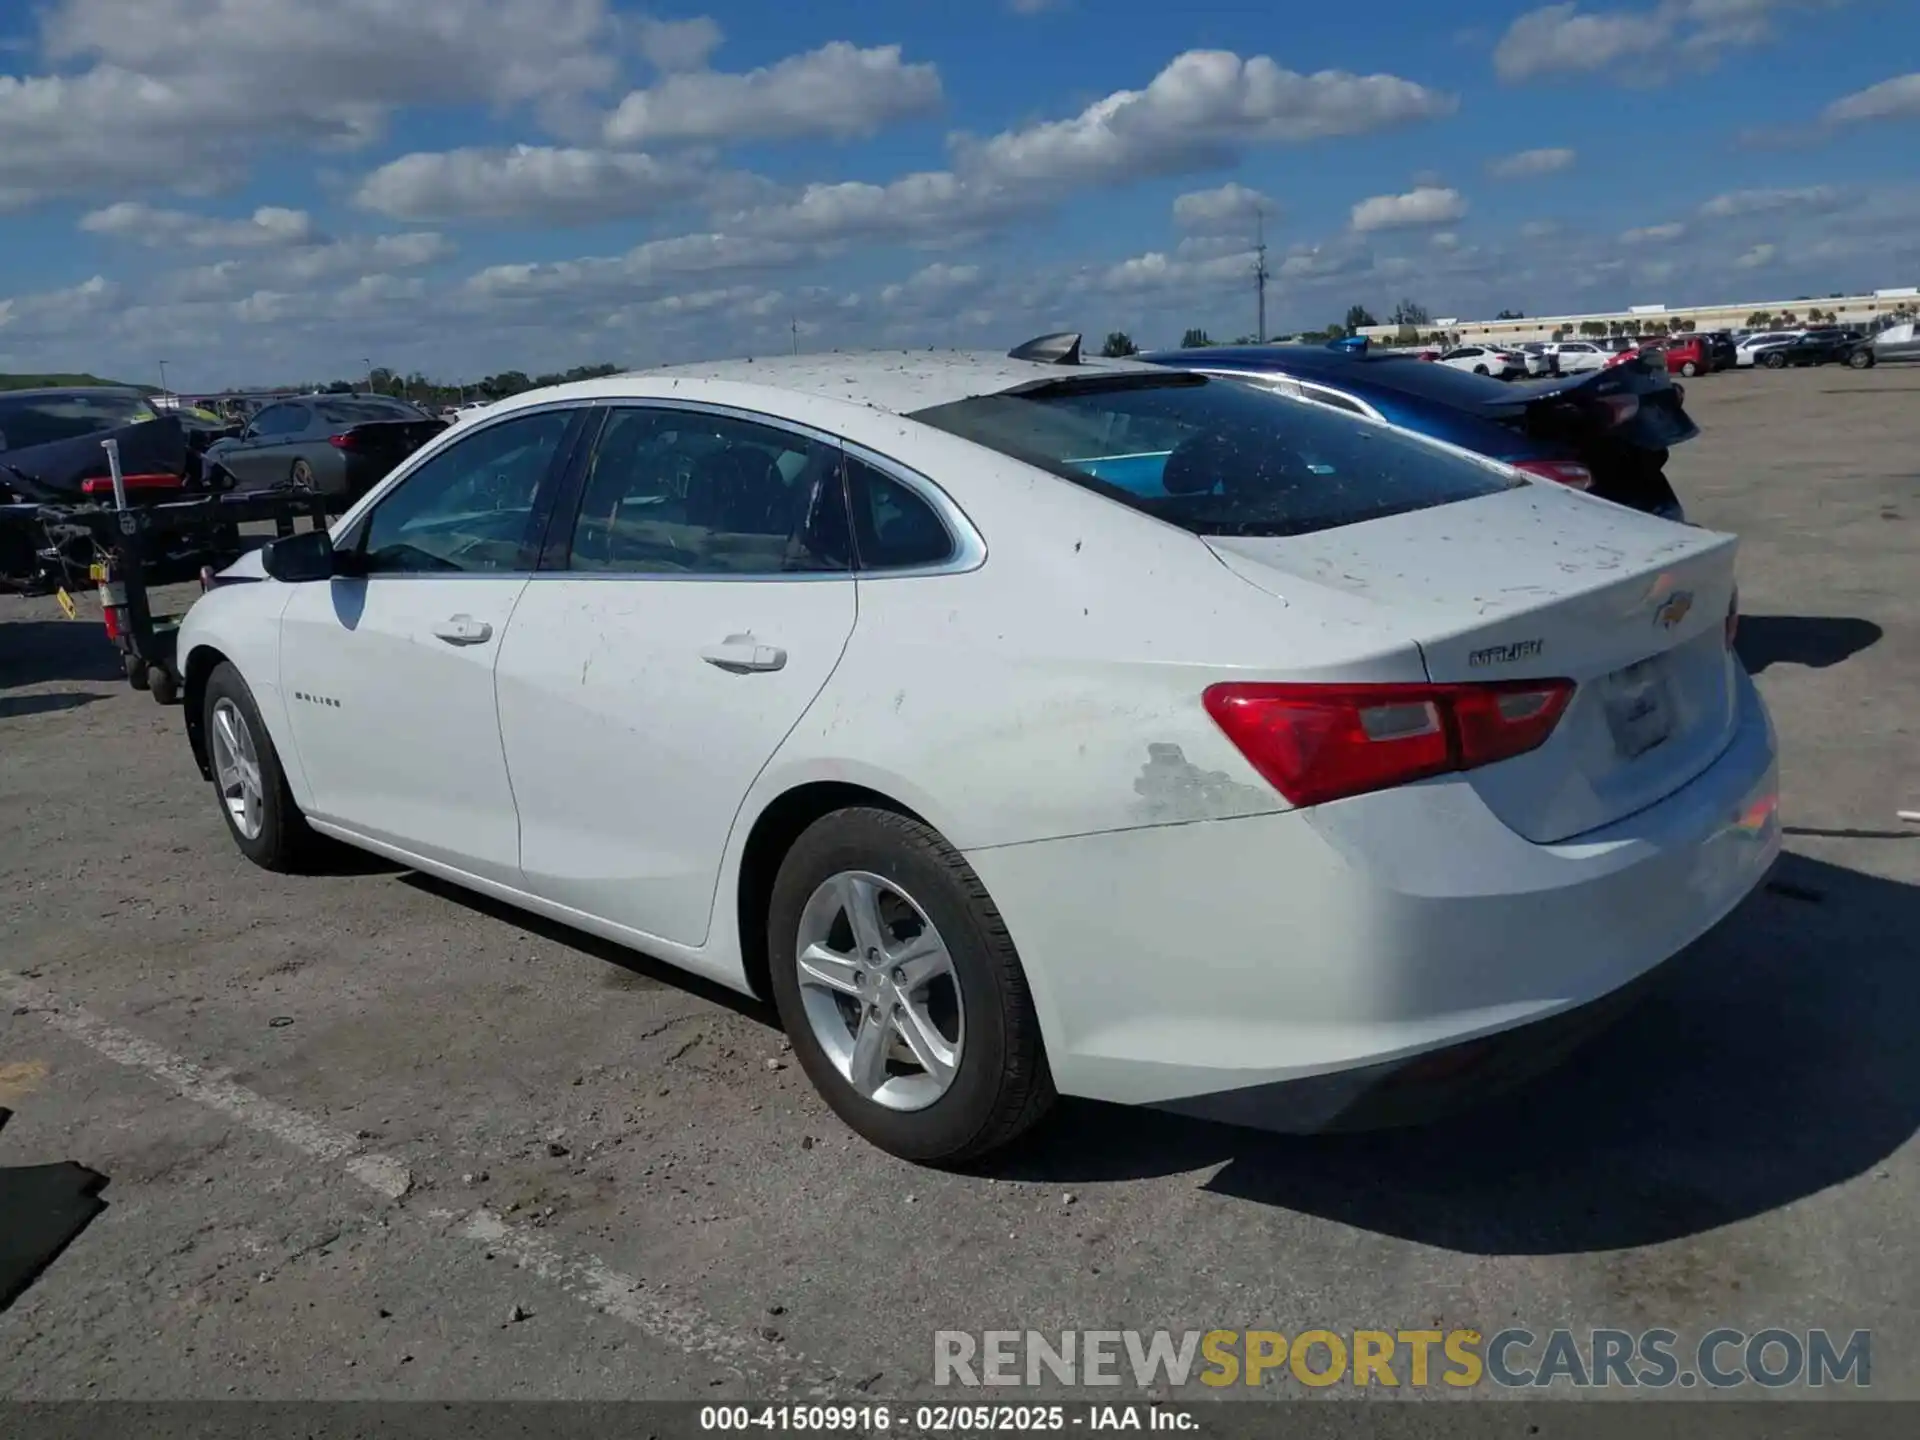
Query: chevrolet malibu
column 1021, row 725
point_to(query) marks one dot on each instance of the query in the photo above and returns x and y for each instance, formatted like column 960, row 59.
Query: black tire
column 301, row 476
column 136, row 669
column 1002, row 1086
column 1689, row 369
column 1774, row 362
column 1480, row 370
column 284, row 842
column 1861, row 360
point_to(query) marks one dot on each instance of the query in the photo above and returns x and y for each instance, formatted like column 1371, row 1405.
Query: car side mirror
column 298, row 559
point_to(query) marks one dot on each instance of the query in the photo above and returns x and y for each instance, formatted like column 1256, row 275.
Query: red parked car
column 1689, row 355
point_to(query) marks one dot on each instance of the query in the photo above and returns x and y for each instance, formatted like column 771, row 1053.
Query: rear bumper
column 1211, row 968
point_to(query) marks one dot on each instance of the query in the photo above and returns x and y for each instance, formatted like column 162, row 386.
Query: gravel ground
column 369, row 1137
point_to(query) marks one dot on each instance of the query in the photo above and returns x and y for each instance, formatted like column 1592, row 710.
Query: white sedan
column 1021, row 727
column 1484, row 360
column 1578, row 356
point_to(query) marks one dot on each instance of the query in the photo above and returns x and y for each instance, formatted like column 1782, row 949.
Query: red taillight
column 345, row 440
column 1315, row 743
column 1561, row 472
column 103, row 484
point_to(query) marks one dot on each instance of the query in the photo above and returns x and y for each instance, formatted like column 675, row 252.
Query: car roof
column 56, row 392
column 899, row 381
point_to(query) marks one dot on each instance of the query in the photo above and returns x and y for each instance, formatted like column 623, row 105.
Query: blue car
column 1606, row 431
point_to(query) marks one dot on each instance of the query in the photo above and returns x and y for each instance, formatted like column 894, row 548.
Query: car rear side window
column 692, row 493
column 893, row 528
column 1217, row 458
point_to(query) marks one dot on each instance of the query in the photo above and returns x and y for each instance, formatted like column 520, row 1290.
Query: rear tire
column 255, row 802
column 1689, row 369
column 301, row 476
column 1774, row 362
column 998, row 1084
column 1480, row 370
column 1860, row 360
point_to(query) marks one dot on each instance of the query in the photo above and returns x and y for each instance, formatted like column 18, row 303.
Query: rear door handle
column 743, row 655
column 464, row 630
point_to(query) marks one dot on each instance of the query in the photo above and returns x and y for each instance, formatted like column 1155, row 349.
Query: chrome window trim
column 969, row 549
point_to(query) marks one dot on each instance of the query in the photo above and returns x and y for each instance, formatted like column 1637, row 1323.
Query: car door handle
column 744, row 655
column 464, row 630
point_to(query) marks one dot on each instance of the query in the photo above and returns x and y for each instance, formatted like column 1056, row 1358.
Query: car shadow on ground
column 12, row 707
column 1816, row 641
column 37, row 652
column 631, row 970
column 1775, row 1061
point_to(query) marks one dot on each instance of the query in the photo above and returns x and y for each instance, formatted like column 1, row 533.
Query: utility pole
column 1260, row 271
column 163, row 379
column 793, row 323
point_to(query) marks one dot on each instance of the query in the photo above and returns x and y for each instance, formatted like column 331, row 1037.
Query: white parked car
column 1578, row 356
column 1020, row 727
column 1484, row 360
column 1746, row 352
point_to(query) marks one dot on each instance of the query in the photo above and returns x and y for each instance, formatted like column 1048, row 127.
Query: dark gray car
column 339, row 445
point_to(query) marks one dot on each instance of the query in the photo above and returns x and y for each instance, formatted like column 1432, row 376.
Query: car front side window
column 468, row 509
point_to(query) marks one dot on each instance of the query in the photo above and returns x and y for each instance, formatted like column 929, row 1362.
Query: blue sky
column 270, row 190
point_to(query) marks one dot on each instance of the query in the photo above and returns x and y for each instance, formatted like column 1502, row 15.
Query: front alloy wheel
column 236, row 769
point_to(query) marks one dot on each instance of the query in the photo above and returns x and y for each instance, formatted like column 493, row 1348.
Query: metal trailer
column 136, row 548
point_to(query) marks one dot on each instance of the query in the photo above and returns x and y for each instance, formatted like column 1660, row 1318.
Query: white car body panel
column 1579, row 356
column 1041, row 710
column 604, row 697
column 1746, row 350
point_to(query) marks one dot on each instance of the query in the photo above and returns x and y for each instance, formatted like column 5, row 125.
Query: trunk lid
column 1539, row 583
column 1634, row 403
column 390, row 441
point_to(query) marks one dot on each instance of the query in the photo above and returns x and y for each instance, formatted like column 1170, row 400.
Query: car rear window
column 361, row 412
column 1217, row 457
column 29, row 420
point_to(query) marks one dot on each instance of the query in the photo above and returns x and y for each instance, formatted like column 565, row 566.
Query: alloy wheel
column 880, row 991
column 236, row 769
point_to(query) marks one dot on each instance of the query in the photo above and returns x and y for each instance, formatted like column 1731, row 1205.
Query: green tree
column 1760, row 320
column 1358, row 316
column 1194, row 339
column 1510, row 315
column 1119, row 344
column 1410, row 314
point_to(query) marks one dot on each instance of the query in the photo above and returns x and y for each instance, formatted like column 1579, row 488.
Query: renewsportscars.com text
column 1513, row 1358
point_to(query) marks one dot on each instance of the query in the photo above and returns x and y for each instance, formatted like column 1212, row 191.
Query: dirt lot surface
column 368, row 1137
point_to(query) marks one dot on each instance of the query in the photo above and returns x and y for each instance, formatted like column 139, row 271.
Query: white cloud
column 1445, row 240
column 1563, row 38
column 839, row 91
column 301, row 268
column 1426, row 205
column 935, row 283
column 674, row 45
column 556, row 185
column 1653, row 234
column 1528, row 163
column 1158, row 271
column 1230, row 207
column 182, row 94
column 1760, row 202
column 1540, row 229
column 1895, row 99
column 268, row 227
column 646, row 266
column 1199, row 110
column 1754, row 259
column 1033, row 7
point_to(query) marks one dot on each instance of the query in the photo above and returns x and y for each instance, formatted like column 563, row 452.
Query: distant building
column 1858, row 310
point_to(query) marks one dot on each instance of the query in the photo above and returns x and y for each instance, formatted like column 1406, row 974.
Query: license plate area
column 1639, row 708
